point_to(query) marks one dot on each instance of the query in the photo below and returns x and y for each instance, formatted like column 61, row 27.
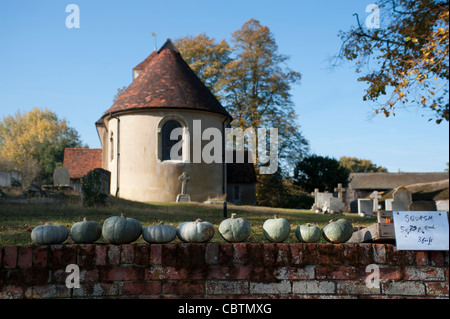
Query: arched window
column 171, row 138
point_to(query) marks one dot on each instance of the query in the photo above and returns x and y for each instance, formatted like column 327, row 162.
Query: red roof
column 79, row 161
column 166, row 81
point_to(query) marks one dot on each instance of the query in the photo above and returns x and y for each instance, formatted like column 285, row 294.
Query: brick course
column 213, row 270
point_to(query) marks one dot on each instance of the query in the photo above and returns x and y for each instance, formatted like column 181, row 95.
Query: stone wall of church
column 142, row 175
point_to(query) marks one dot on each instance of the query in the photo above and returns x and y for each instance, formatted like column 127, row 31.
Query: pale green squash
column 308, row 233
column 276, row 229
column 85, row 232
column 235, row 230
column 338, row 232
column 49, row 234
column 121, row 230
column 159, row 234
column 195, row 232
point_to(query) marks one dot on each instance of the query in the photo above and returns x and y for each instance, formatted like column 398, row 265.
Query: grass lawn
column 18, row 220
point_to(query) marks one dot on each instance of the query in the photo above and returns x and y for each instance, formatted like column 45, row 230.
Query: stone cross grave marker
column 375, row 196
column 183, row 197
column 340, row 190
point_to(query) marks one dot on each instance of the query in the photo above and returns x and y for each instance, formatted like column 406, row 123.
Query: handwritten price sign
column 421, row 230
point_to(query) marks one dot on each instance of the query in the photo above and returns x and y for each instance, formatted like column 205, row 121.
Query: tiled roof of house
column 79, row 161
column 166, row 81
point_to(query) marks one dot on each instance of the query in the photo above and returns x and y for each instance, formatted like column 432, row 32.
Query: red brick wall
column 222, row 271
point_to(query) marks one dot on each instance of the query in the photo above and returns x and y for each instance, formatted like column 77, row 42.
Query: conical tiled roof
column 166, row 82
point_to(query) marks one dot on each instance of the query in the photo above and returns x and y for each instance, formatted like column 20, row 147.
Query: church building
column 147, row 136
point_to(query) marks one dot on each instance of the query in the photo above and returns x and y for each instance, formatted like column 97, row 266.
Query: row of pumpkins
column 125, row 230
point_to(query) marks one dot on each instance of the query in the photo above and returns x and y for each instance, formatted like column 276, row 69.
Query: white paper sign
column 421, row 230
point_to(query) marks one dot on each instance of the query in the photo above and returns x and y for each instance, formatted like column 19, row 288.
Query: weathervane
column 154, row 35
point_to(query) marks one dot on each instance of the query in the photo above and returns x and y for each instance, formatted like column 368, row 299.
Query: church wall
column 142, row 176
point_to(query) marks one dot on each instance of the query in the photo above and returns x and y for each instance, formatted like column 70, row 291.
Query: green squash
column 195, row 232
column 49, row 234
column 338, row 232
column 159, row 234
column 235, row 230
column 308, row 233
column 276, row 229
column 85, row 232
column 121, row 230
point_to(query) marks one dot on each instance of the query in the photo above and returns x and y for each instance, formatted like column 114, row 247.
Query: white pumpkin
column 195, row 232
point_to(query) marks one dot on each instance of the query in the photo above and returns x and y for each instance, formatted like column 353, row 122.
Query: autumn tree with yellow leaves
column 34, row 143
column 406, row 60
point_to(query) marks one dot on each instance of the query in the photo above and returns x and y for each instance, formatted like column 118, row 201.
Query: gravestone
column 365, row 207
column 5, row 179
column 442, row 205
column 314, row 194
column 95, row 187
column 322, row 199
column 388, row 203
column 61, row 176
column 183, row 197
column 375, row 196
column 336, row 204
column 402, row 199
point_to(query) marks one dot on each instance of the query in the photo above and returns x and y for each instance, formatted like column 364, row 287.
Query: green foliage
column 320, row 172
column 92, row 189
column 275, row 190
column 406, row 59
column 252, row 81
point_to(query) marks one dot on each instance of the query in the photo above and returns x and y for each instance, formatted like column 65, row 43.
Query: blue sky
column 76, row 72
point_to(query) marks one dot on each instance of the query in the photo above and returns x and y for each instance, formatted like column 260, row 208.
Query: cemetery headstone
column 95, row 187
column 402, row 199
column 183, row 197
column 336, row 204
column 323, row 198
column 442, row 205
column 315, row 195
column 388, row 203
column 340, row 191
column 375, row 196
column 5, row 179
column 365, row 207
column 61, row 176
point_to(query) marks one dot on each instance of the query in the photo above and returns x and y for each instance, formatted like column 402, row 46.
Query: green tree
column 320, row 172
column 252, row 81
column 206, row 58
column 356, row 165
column 406, row 61
column 37, row 136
